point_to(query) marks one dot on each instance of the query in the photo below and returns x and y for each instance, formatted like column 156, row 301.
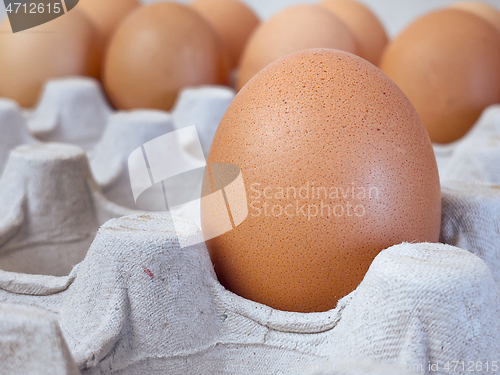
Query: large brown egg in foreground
column 448, row 64
column 337, row 166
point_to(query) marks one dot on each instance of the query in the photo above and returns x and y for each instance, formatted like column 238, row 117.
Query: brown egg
column 107, row 14
column 336, row 165
column 487, row 12
column 364, row 24
column 293, row 29
column 448, row 64
column 158, row 50
column 232, row 19
column 66, row 46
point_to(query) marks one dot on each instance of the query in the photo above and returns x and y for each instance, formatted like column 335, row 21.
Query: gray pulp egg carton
column 131, row 300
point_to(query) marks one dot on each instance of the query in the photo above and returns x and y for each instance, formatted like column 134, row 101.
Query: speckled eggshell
column 448, row 64
column 107, row 14
column 293, row 29
column 233, row 20
column 158, row 50
column 486, row 11
column 66, row 46
column 329, row 119
column 364, row 24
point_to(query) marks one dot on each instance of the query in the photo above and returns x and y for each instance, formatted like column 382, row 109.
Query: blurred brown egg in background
column 233, row 20
column 294, row 29
column 486, row 11
column 66, row 46
column 337, row 166
column 107, row 14
column 448, row 64
column 364, row 24
column 158, row 50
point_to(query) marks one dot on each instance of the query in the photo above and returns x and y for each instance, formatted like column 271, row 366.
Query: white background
column 395, row 14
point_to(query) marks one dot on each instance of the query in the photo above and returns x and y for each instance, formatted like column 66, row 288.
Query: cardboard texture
column 131, row 301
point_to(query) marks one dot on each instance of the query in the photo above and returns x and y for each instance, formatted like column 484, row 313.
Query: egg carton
column 13, row 129
column 470, row 181
column 50, row 210
column 31, row 342
column 74, row 110
column 54, row 197
column 139, row 303
column 40, row 347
